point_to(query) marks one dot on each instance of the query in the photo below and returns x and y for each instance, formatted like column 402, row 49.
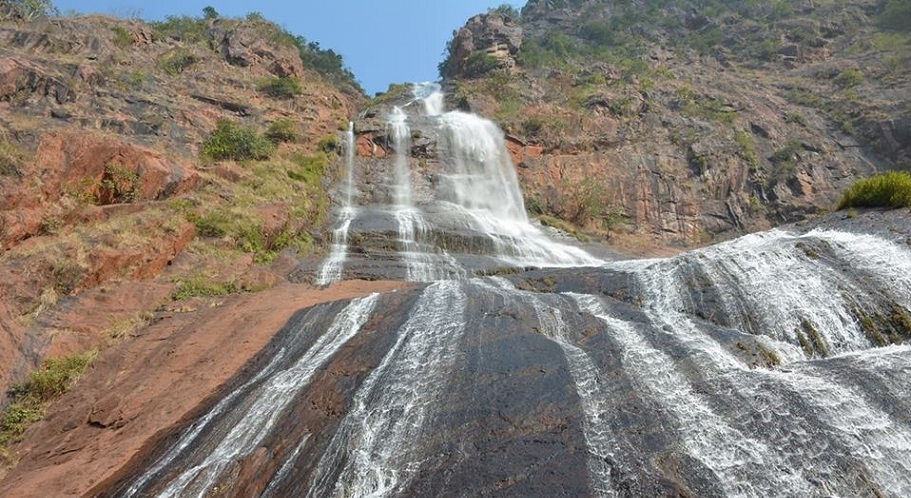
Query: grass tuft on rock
column 201, row 286
column 889, row 190
column 29, row 400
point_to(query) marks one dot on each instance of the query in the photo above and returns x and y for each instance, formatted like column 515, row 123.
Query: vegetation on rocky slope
column 891, row 190
column 695, row 119
column 29, row 400
column 189, row 158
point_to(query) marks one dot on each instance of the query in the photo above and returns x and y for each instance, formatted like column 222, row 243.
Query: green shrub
column 242, row 231
column 56, row 376
column 177, row 61
column 29, row 400
column 282, row 130
column 507, row 11
column 325, row 62
column 849, row 78
column 280, row 88
column 480, row 63
column 310, row 169
column 11, row 159
column 231, row 140
column 532, row 126
column 329, row 144
column 785, row 155
column 183, row 28
column 119, row 184
column 891, row 189
column 747, row 148
column 122, row 37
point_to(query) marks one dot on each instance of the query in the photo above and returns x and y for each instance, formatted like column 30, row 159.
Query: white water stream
column 257, row 418
column 331, row 269
column 377, row 447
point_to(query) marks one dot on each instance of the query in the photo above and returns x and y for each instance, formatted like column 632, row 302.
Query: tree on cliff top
column 26, row 9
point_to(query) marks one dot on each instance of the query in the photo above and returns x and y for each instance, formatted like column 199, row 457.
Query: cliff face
column 108, row 215
column 677, row 123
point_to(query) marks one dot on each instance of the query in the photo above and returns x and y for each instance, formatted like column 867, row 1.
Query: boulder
column 492, row 34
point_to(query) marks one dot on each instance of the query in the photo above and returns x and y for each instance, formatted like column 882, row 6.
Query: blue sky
column 382, row 42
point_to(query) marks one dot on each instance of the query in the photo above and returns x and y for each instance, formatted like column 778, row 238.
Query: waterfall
column 478, row 174
column 479, row 183
column 401, row 136
column 777, row 284
column 423, row 263
column 762, row 366
column 475, row 194
column 350, row 146
column 431, row 94
column 664, row 385
column 331, row 269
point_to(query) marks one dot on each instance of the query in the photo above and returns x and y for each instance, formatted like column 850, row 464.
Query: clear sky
column 381, row 41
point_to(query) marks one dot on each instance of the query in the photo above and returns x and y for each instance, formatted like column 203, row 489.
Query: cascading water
column 667, row 390
column 385, row 424
column 431, row 95
column 478, row 174
column 350, row 145
column 423, row 264
column 474, row 196
column 331, row 269
column 757, row 367
column 401, row 191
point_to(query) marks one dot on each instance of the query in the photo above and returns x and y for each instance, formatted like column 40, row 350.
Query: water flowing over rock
column 771, row 365
column 496, row 357
column 775, row 364
column 455, row 210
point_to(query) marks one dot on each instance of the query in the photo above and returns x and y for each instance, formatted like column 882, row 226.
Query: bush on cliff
column 891, row 189
column 231, row 140
column 280, row 88
column 29, row 400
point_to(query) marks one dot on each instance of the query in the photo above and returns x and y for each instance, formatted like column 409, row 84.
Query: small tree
column 231, row 140
column 26, row 9
column 506, row 10
column 209, row 12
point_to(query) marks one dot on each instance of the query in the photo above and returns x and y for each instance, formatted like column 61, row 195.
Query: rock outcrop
column 486, row 42
column 660, row 126
column 102, row 189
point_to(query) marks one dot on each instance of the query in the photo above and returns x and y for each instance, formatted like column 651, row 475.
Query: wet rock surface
column 572, row 381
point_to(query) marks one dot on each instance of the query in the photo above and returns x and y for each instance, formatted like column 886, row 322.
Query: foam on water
column 377, row 447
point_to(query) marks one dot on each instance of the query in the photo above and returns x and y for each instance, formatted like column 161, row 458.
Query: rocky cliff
column 681, row 122
column 119, row 205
